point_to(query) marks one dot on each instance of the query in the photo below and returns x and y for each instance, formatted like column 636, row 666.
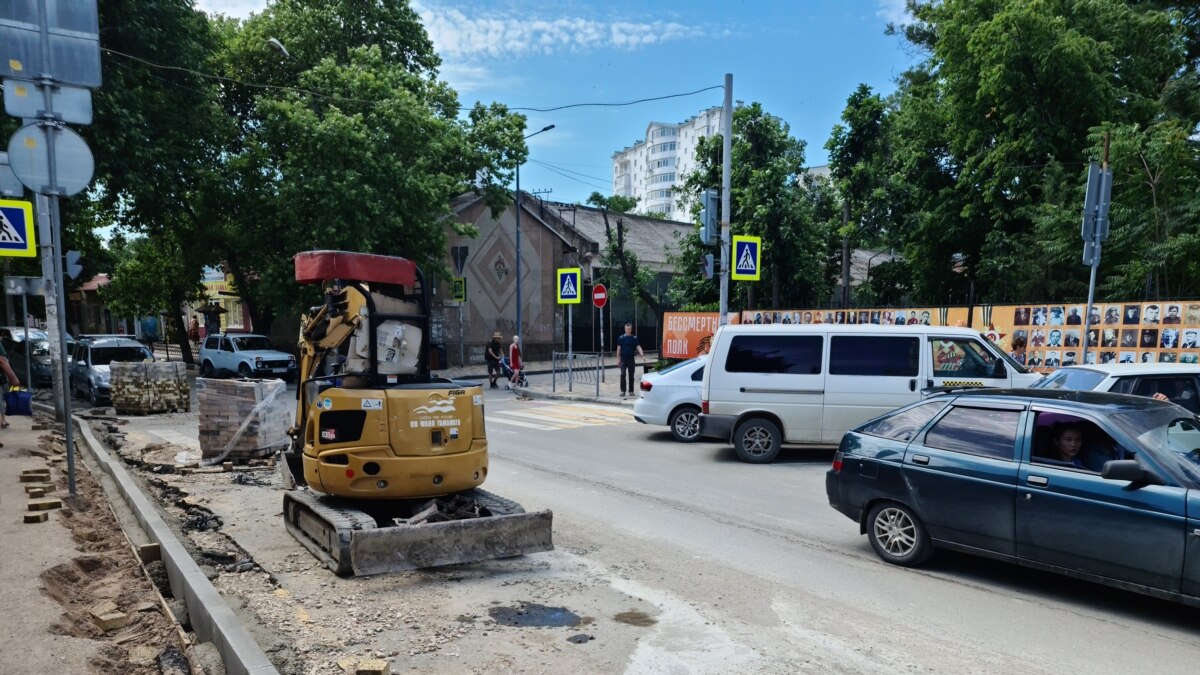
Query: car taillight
column 704, row 407
column 646, row 386
column 837, row 461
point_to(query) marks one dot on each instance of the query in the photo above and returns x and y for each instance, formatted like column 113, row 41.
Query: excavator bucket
column 351, row 543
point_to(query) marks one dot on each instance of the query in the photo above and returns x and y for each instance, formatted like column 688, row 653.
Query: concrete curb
column 211, row 619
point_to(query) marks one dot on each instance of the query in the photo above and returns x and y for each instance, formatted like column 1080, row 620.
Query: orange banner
column 688, row 334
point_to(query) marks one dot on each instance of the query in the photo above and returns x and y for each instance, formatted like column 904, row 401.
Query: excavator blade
column 349, row 542
column 406, row 547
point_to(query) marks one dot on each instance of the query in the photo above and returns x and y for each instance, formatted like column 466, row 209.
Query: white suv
column 246, row 354
column 90, row 361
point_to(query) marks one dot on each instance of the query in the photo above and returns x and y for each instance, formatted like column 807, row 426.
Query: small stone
column 374, row 667
column 40, row 517
column 45, row 504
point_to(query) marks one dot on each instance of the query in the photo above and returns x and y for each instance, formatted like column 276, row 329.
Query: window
column 1073, row 442
column 698, row 375
column 976, row 431
column 1179, row 390
column 1073, row 380
column 663, row 178
column 251, row 343
column 210, row 342
column 961, row 357
column 106, row 355
column 874, row 355
column 791, row 354
column 903, row 425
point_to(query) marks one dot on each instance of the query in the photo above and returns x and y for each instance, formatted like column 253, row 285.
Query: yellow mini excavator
column 385, row 463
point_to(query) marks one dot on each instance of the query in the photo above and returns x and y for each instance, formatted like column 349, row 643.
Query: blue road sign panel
column 747, row 258
column 568, row 285
column 17, row 237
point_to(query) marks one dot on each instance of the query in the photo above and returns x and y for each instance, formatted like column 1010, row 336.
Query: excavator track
column 350, row 541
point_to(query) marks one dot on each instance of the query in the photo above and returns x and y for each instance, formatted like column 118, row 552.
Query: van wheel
column 685, row 424
column 757, row 441
column 897, row 535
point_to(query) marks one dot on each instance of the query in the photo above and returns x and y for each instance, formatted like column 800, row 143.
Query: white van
column 771, row 384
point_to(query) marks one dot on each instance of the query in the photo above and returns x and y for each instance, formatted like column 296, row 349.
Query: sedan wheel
column 757, row 441
column 685, row 424
column 92, row 398
column 897, row 535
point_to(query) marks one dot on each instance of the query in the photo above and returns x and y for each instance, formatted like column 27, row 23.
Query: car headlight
column 258, row 362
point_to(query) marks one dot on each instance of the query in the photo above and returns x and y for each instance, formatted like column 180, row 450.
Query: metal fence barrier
column 577, row 368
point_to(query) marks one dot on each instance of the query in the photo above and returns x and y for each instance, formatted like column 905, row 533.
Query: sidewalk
column 27, row 629
column 540, row 385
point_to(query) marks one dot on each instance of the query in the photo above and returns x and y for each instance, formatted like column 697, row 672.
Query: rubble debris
column 108, row 617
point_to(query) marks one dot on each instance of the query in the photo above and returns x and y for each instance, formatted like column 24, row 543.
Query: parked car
column 247, row 354
column 1177, row 381
column 773, row 384
column 986, row 472
column 39, row 362
column 12, row 334
column 89, row 369
column 671, row 397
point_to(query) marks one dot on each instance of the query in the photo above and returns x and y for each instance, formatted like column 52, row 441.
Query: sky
column 801, row 59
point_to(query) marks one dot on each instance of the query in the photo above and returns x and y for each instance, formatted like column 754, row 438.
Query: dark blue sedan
column 1104, row 487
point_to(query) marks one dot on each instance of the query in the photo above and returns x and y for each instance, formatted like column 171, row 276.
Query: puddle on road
column 635, row 618
column 530, row 614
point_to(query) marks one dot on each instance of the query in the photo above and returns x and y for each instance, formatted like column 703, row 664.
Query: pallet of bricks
column 154, row 387
column 258, row 409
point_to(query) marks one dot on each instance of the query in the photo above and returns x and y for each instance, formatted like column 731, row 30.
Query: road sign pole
column 570, row 347
column 61, row 301
column 726, row 183
column 25, row 320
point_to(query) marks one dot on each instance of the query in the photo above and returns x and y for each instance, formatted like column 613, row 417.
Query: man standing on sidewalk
column 627, row 346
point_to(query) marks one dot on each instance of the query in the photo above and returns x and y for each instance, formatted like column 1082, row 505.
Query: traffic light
column 710, row 221
column 709, row 266
column 72, row 268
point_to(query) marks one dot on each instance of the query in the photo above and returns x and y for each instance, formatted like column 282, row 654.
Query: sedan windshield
column 1073, row 379
column 1172, row 433
column 251, row 343
column 677, row 366
column 107, row 355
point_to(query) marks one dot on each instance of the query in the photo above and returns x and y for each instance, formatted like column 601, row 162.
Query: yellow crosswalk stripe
column 565, row 416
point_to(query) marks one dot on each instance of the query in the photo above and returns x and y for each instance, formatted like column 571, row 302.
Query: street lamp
column 519, row 333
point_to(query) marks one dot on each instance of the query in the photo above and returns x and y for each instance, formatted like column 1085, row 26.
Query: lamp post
column 518, row 245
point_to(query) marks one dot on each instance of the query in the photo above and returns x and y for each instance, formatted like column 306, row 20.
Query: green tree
column 768, row 199
column 634, row 278
column 1001, row 111
column 355, row 144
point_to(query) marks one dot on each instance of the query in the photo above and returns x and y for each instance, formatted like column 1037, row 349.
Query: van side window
column 903, row 425
column 975, row 431
column 874, row 355
column 961, row 357
column 791, row 354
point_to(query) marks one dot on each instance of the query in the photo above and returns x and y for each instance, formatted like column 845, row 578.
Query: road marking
column 565, row 416
column 492, row 417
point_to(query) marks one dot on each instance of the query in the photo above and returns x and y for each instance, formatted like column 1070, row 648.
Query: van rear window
column 875, row 355
column 790, row 354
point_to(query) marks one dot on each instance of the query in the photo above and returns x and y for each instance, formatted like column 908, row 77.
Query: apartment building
column 651, row 170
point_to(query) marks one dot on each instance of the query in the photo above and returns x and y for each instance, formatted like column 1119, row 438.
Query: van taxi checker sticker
column 962, row 383
column 372, row 404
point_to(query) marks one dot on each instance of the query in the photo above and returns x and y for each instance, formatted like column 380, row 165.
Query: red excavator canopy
column 321, row 266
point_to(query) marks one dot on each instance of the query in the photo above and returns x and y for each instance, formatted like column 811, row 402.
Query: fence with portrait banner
column 1120, row 332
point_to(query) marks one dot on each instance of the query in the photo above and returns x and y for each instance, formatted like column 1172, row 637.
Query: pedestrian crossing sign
column 568, row 285
column 16, row 229
column 747, row 258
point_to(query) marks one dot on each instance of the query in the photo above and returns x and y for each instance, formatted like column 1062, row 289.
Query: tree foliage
column 769, row 198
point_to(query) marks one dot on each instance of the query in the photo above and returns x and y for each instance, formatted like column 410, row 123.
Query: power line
column 570, row 177
column 555, row 166
column 616, row 105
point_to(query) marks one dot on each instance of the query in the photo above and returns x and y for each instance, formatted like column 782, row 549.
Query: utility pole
column 726, row 183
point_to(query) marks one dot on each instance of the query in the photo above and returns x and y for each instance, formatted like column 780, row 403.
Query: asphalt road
column 731, row 567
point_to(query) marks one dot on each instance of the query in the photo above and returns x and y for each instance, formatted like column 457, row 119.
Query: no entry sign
column 599, row 295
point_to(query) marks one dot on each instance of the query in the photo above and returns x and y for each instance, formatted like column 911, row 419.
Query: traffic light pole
column 726, row 181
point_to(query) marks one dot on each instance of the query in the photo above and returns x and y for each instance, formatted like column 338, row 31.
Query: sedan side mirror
column 1129, row 470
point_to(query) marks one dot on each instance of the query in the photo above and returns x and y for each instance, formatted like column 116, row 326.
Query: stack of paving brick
column 150, row 387
column 226, row 406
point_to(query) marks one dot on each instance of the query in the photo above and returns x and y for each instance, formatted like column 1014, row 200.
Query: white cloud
column 457, row 36
column 893, row 11
column 236, row 8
